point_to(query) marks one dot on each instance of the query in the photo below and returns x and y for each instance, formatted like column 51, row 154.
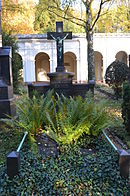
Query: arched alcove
column 122, row 57
column 98, row 62
column 19, row 61
column 42, row 66
column 70, row 62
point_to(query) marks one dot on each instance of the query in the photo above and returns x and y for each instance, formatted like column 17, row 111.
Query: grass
column 105, row 87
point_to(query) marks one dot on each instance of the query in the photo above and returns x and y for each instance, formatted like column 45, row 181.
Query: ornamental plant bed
column 75, row 124
column 71, row 173
column 48, row 147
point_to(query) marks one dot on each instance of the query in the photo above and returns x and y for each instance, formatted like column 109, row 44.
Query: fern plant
column 71, row 118
column 31, row 113
column 63, row 119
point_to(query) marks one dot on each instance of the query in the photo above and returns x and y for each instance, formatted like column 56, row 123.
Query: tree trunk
column 90, row 56
column 90, row 51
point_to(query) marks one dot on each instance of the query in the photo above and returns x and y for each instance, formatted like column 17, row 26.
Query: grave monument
column 60, row 76
column 6, row 84
column 61, row 81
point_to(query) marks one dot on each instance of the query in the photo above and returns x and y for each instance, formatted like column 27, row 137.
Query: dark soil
column 47, row 146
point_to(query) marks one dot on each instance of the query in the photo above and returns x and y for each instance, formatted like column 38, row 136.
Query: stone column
column 53, row 57
column 78, row 71
column 83, row 60
column 104, row 65
column 29, row 70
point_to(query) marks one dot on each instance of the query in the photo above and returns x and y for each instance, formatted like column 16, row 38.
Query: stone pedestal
column 60, row 78
column 6, row 84
column 67, row 89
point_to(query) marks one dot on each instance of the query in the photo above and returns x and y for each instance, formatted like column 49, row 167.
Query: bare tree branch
column 68, row 6
column 98, row 14
column 99, row 11
column 69, row 18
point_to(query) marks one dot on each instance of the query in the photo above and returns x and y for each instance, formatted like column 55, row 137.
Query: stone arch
column 122, row 57
column 42, row 66
column 70, row 62
column 98, row 62
column 19, row 60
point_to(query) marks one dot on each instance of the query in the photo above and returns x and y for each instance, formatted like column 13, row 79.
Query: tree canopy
column 116, row 20
column 27, row 17
column 17, row 16
column 48, row 12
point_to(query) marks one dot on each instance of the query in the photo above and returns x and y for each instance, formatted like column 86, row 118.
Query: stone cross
column 59, row 36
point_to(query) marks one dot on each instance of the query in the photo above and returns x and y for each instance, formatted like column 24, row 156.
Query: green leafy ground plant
column 72, row 173
column 31, row 116
column 72, row 117
column 126, row 106
column 31, row 113
column 64, row 119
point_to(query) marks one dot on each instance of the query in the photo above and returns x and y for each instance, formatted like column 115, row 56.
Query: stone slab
column 61, row 88
column 60, row 77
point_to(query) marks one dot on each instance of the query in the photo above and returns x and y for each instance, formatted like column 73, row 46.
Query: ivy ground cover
column 72, row 173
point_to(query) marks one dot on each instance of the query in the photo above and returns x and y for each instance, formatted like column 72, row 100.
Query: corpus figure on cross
column 59, row 36
column 59, row 40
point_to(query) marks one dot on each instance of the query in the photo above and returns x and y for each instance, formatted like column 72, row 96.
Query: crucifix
column 59, row 36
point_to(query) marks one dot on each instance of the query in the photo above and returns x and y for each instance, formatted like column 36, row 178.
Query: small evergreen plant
column 9, row 40
column 126, row 106
column 116, row 73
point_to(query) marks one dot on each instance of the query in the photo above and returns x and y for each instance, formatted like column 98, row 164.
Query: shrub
column 9, row 40
column 126, row 106
column 116, row 73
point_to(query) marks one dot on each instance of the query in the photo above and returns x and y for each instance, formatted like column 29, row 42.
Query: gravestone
column 60, row 76
column 60, row 81
column 59, row 36
column 6, row 83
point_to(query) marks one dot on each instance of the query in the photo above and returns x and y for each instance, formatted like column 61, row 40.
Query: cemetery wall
column 108, row 45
